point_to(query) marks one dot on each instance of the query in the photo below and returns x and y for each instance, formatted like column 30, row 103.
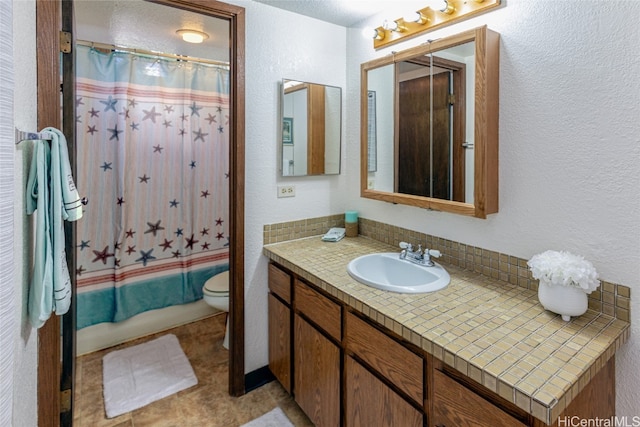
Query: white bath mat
column 138, row 375
column 273, row 418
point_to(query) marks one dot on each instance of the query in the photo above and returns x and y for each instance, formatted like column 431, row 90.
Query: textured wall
column 7, row 291
column 25, row 345
column 281, row 45
column 569, row 145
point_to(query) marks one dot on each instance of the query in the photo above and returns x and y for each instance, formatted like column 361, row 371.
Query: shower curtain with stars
column 153, row 158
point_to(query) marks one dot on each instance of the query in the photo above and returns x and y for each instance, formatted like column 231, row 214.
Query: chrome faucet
column 418, row 256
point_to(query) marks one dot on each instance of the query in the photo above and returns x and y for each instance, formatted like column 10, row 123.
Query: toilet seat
column 217, row 285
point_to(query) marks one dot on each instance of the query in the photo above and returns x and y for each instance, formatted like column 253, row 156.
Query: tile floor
column 205, row 405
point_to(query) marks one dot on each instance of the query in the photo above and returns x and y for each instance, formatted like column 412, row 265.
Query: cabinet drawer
column 280, row 283
column 391, row 359
column 319, row 309
column 456, row 405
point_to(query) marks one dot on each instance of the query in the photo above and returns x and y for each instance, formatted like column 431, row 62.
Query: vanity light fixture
column 192, row 36
column 437, row 14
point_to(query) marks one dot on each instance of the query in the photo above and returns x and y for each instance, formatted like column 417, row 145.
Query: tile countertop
column 493, row 332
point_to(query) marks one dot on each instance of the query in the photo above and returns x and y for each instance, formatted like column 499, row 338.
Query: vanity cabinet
column 345, row 369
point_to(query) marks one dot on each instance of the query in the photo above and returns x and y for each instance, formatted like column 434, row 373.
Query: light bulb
column 390, row 25
column 445, row 6
column 373, row 33
column 378, row 34
column 397, row 25
column 416, row 17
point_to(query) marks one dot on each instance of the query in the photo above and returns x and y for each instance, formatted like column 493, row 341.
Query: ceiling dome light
column 192, row 36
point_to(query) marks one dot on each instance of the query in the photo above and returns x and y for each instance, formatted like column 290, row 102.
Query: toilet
column 216, row 293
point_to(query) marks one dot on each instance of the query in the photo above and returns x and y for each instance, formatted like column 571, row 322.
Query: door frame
column 49, row 25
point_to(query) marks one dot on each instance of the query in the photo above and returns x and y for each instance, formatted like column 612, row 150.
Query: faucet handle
column 433, row 252
column 407, row 246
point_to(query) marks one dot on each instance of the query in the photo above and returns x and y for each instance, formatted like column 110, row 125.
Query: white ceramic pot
column 564, row 300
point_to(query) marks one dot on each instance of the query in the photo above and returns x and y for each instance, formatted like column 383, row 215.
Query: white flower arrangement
column 564, row 269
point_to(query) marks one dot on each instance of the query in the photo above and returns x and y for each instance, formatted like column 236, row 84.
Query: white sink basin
column 388, row 272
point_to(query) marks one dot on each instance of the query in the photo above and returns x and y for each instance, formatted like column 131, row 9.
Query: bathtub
column 105, row 335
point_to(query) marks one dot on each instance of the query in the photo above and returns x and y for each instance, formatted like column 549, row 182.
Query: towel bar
column 30, row 136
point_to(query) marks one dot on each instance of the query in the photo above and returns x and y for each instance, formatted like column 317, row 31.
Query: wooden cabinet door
column 454, row 405
column 280, row 341
column 316, row 374
column 371, row 403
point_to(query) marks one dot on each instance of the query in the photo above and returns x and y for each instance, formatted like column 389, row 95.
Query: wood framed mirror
column 311, row 128
column 429, row 125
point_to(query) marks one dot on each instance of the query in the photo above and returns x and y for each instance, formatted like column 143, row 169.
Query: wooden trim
column 296, row 88
column 49, row 24
column 493, row 120
column 364, row 154
column 316, row 129
column 236, row 17
column 237, row 354
column 69, row 327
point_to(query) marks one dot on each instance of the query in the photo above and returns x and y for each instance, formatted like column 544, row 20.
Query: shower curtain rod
column 114, row 48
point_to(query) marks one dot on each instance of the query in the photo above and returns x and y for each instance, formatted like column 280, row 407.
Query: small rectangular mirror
column 310, row 137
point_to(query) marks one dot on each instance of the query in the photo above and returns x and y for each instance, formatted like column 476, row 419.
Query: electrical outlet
column 286, row 191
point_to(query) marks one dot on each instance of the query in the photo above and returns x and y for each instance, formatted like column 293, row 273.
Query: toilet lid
column 218, row 283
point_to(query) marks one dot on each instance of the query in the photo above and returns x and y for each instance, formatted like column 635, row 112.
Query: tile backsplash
column 610, row 298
